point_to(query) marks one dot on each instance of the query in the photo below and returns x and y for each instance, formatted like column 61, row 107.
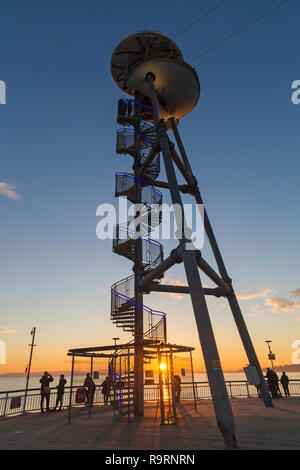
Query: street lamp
column 271, row 356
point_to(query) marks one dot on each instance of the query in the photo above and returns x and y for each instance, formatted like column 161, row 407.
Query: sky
column 58, row 160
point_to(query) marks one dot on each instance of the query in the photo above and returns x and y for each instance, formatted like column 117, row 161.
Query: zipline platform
column 257, row 427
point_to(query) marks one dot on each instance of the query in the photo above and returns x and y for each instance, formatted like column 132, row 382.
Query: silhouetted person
column 276, row 382
column 106, row 390
column 91, row 387
column 60, row 392
column 177, row 387
column 285, row 384
column 45, row 390
column 271, row 377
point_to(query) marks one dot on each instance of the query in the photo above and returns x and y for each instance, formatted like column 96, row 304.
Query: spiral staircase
column 136, row 139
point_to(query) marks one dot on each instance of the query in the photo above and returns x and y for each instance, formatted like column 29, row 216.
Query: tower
column 150, row 68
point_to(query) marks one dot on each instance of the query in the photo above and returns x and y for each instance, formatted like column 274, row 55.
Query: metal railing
column 235, row 388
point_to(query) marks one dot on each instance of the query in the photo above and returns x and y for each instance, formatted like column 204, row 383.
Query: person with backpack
column 45, row 390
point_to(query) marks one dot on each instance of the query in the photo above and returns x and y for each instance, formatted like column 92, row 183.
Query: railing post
column 71, row 389
column 248, row 393
column 230, row 389
column 5, row 405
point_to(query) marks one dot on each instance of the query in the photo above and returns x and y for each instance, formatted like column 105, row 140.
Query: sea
column 9, row 383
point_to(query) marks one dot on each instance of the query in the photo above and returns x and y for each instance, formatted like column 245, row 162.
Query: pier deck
column 257, row 427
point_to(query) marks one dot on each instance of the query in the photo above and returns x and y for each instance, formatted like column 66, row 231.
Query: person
column 276, row 383
column 106, row 390
column 177, row 387
column 284, row 380
column 91, row 387
column 45, row 390
column 271, row 378
column 60, row 392
column 122, row 108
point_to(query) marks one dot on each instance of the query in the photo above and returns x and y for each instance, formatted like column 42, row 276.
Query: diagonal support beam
column 215, row 375
column 231, row 297
column 211, row 273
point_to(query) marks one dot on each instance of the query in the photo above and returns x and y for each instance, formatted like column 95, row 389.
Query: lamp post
column 28, row 369
column 115, row 340
column 271, row 356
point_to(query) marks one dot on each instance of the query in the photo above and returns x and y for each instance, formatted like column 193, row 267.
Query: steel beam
column 211, row 273
column 183, row 289
column 215, row 375
column 138, row 295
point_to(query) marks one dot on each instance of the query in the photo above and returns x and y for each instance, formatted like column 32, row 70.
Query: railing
column 235, row 388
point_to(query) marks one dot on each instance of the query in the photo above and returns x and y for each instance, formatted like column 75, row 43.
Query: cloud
column 6, row 331
column 281, row 304
column 296, row 292
column 254, row 294
column 8, row 190
column 174, row 282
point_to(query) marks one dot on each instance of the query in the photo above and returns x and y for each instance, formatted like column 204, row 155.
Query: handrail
column 52, row 389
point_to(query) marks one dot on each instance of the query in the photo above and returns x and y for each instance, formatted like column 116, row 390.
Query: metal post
column 161, row 391
column 194, row 390
column 90, row 394
column 92, row 361
column 172, row 384
column 220, row 398
column 71, row 390
column 32, row 345
column 139, row 314
column 170, row 415
column 5, row 405
column 128, row 379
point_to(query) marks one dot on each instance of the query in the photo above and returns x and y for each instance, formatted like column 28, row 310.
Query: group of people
column 45, row 381
column 88, row 384
column 273, row 383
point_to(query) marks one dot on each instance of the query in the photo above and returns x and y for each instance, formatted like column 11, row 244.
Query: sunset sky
column 57, row 140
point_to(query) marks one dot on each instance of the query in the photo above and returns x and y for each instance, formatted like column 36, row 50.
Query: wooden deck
column 257, row 427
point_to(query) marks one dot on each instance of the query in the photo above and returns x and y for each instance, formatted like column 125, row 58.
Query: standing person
column 60, row 392
column 106, row 390
column 285, row 384
column 45, row 390
column 177, row 387
column 271, row 382
column 91, row 387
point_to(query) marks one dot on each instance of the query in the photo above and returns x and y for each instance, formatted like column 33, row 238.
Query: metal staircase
column 137, row 142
